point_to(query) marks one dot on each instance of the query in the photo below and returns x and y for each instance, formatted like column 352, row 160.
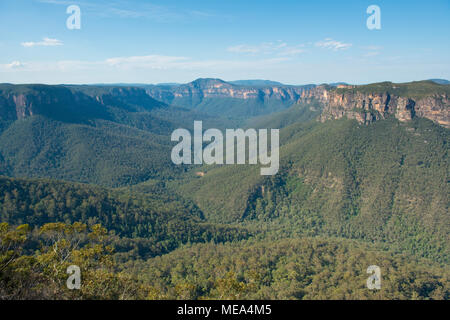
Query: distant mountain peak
column 208, row 81
column 440, row 81
column 257, row 83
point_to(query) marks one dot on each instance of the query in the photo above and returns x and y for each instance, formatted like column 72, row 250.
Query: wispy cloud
column 14, row 65
column 60, row 2
column 372, row 51
column 139, row 10
column 291, row 51
column 334, row 45
column 145, row 10
column 46, row 42
column 202, row 14
column 371, row 54
column 278, row 48
column 176, row 62
column 147, row 62
column 372, row 48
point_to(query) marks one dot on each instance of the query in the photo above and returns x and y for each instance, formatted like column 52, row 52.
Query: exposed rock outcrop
column 369, row 107
column 216, row 88
column 366, row 104
column 71, row 102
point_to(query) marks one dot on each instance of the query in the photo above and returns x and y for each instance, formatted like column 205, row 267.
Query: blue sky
column 294, row 42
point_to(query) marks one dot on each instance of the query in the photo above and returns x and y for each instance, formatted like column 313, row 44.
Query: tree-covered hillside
column 307, row 268
column 384, row 183
column 111, row 136
column 86, row 174
column 33, row 266
column 415, row 89
column 143, row 225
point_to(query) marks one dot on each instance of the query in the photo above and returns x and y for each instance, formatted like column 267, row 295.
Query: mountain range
column 363, row 179
column 426, row 99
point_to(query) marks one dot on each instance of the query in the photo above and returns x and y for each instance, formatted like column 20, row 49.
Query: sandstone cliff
column 363, row 103
column 365, row 106
column 71, row 102
column 216, row 88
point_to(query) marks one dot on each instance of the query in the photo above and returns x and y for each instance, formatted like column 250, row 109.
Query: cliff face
column 71, row 103
column 15, row 107
column 216, row 88
column 17, row 104
column 370, row 107
column 366, row 104
column 363, row 103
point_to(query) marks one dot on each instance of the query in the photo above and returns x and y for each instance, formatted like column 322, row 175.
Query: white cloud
column 279, row 48
column 371, row 54
column 373, row 48
column 139, row 10
column 372, row 51
column 174, row 62
column 46, row 42
column 14, row 65
column 143, row 64
column 264, row 48
column 150, row 61
column 242, row 48
column 334, row 45
column 291, row 51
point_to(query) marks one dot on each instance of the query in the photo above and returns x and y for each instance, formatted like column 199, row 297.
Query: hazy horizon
column 229, row 81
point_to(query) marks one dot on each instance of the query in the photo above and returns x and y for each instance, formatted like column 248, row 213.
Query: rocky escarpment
column 367, row 107
column 187, row 95
column 71, row 103
column 366, row 104
column 21, row 101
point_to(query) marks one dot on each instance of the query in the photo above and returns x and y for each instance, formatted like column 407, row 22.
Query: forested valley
column 86, row 179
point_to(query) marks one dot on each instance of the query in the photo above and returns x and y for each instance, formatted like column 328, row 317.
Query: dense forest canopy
column 86, row 179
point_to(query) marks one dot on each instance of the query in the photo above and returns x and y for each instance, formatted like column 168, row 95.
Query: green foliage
column 106, row 154
column 290, row 269
column 342, row 179
column 295, row 114
column 110, row 136
column 143, row 225
column 414, row 90
column 233, row 107
column 197, row 95
column 346, row 196
column 43, row 274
